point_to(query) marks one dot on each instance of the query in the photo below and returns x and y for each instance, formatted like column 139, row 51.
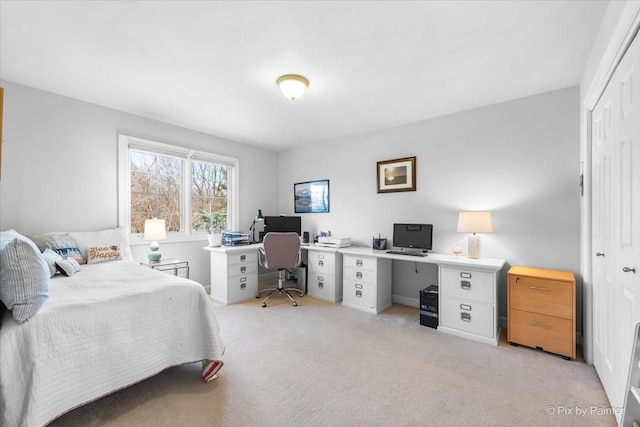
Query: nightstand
column 171, row 265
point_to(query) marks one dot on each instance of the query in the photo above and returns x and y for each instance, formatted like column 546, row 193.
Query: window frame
column 187, row 155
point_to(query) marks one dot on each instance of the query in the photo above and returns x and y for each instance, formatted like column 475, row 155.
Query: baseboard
column 411, row 302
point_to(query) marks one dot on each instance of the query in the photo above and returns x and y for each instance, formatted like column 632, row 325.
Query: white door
column 616, row 224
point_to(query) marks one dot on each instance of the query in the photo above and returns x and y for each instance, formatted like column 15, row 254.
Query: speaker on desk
column 429, row 306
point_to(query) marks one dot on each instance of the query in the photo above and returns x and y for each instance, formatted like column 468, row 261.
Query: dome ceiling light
column 292, row 85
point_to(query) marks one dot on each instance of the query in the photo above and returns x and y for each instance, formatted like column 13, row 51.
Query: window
column 175, row 184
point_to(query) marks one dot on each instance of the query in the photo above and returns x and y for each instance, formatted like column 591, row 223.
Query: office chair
column 280, row 251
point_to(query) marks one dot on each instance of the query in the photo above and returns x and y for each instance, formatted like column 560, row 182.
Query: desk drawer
column 322, row 286
column 467, row 284
column 242, row 258
column 322, row 262
column 360, row 275
column 239, row 269
column 359, row 293
column 359, row 262
column 549, row 297
column 474, row 318
column 242, row 287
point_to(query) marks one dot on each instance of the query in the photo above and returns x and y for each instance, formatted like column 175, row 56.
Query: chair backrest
column 281, row 250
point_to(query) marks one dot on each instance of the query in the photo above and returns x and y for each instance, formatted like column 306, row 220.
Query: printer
column 334, row 242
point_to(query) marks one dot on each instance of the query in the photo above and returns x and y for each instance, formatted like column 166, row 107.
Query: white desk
column 468, row 297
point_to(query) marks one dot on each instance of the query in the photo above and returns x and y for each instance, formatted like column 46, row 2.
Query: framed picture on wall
column 397, row 175
column 311, row 196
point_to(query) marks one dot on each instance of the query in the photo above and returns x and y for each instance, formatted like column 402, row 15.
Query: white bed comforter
column 108, row 326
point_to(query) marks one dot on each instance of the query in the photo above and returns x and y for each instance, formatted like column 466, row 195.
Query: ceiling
column 212, row 66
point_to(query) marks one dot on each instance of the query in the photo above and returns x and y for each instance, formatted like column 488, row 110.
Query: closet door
column 616, row 224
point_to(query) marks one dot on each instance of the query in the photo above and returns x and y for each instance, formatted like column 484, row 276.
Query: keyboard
column 409, row 253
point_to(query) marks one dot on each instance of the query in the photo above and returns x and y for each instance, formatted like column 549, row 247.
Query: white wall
column 59, row 168
column 518, row 159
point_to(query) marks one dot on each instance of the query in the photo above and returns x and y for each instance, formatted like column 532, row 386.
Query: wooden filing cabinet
column 541, row 307
column 468, row 303
column 366, row 283
column 324, row 274
column 234, row 274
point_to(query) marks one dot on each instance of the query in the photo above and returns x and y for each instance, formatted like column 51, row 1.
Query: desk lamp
column 474, row 222
column 258, row 226
column 154, row 230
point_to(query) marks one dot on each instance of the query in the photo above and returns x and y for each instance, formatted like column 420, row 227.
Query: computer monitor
column 283, row 224
column 413, row 236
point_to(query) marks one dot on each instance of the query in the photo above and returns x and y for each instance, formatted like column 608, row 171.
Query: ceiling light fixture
column 292, row 85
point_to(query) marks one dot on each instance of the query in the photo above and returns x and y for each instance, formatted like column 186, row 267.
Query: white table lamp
column 154, row 230
column 474, row 222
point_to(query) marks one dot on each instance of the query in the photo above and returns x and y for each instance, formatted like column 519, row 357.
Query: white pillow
column 86, row 239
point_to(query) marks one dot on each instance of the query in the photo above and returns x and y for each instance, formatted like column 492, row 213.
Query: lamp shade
column 155, row 229
column 474, row 222
column 292, row 85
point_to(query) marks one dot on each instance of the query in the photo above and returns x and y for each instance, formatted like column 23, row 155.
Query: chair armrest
column 262, row 257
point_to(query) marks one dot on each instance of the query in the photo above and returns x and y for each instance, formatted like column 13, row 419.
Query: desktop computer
column 429, row 306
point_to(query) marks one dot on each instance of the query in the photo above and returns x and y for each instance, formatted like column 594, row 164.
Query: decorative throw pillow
column 104, row 253
column 51, row 257
column 61, row 243
column 86, row 239
column 24, row 276
column 68, row 266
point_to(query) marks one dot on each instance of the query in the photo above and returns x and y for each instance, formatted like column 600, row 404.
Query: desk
column 468, row 297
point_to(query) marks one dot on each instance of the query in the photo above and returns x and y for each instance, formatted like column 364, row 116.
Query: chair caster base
column 264, row 304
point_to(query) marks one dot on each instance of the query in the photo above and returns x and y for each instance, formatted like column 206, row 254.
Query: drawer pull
column 359, row 294
column 537, row 288
column 243, row 286
column 243, row 258
column 465, row 317
column 465, row 275
column 627, row 270
column 599, row 253
column 243, row 269
column 320, row 278
column 358, row 286
column 359, row 262
column 465, row 307
column 320, row 285
column 465, row 284
column 542, row 325
column 358, row 275
column 320, row 263
column 320, row 256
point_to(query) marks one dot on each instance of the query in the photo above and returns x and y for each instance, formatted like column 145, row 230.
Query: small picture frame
column 397, row 175
column 311, row 196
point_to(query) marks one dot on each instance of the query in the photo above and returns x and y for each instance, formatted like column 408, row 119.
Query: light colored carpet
column 322, row 364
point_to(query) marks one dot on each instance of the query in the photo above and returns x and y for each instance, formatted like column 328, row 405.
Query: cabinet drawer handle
column 358, row 286
column 542, row 325
column 537, row 288
column 465, row 275
column 320, row 256
column 321, row 278
column 358, row 275
column 465, row 284
column 599, row 253
column 243, row 258
column 243, row 269
column 465, row 307
column 359, row 294
column 359, row 262
column 243, row 286
column 465, row 317
column 320, row 263
column 320, row 285
column 627, row 270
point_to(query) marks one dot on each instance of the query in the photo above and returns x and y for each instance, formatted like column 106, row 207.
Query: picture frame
column 311, row 196
column 397, row 175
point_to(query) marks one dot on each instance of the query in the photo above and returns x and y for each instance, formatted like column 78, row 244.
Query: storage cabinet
column 468, row 303
column 541, row 309
column 367, row 283
column 324, row 280
column 234, row 274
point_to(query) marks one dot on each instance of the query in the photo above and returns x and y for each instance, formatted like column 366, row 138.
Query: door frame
column 622, row 36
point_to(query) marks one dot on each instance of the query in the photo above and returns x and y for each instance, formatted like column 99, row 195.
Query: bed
column 108, row 326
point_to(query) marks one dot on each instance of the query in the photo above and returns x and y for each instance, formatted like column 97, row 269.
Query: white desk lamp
column 154, row 230
column 474, row 222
